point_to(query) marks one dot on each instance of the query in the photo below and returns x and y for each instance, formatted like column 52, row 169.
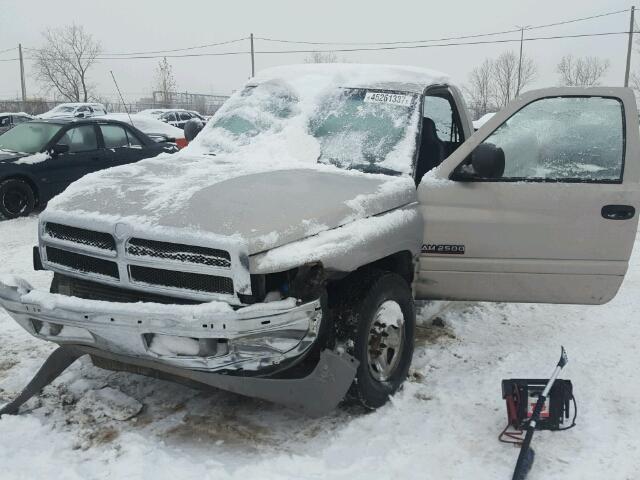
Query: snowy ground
column 443, row 425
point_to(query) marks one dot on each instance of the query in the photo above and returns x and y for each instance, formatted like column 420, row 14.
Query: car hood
column 261, row 207
column 6, row 157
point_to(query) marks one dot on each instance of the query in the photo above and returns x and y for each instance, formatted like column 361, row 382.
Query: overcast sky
column 143, row 25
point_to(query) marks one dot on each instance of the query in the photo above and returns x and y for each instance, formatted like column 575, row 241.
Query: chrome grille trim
column 212, row 257
column 203, row 253
column 197, row 282
column 83, row 264
column 81, row 236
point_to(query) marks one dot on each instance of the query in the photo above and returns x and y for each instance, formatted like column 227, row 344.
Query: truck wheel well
column 28, row 181
column 399, row 262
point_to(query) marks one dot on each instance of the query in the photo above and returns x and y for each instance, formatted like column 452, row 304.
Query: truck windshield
column 257, row 109
column 370, row 130
column 367, row 130
column 30, row 137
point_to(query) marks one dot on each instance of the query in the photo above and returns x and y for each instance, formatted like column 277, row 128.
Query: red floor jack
column 536, row 404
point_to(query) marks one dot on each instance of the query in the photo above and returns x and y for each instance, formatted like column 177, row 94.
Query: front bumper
column 210, row 337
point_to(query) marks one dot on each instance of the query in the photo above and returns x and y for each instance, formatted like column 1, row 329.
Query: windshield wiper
column 373, row 168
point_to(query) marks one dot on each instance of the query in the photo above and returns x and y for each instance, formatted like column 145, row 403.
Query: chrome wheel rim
column 385, row 340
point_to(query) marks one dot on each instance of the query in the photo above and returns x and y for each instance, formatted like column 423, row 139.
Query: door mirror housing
column 79, row 115
column 488, row 161
column 192, row 128
column 59, row 149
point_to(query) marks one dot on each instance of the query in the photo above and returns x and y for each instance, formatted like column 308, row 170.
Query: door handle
column 618, row 212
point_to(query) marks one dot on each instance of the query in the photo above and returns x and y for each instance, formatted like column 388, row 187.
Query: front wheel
column 16, row 198
column 380, row 328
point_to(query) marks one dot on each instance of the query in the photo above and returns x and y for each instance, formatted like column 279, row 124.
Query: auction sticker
column 392, row 98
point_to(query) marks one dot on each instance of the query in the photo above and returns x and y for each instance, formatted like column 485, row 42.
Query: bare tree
column 581, row 71
column 505, row 76
column 62, row 64
column 480, row 89
column 322, row 57
column 165, row 82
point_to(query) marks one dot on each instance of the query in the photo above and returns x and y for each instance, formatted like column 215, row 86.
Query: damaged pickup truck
column 279, row 255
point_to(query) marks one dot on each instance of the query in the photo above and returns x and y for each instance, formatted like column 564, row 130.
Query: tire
column 372, row 303
column 17, row 198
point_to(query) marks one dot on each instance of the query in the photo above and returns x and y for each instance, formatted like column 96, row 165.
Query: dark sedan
column 39, row 159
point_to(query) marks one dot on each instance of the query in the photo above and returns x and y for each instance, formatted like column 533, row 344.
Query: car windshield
column 364, row 129
column 28, row 137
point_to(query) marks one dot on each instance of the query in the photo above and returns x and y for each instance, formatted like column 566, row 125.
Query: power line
column 462, row 37
column 364, row 49
column 226, row 42
column 8, row 49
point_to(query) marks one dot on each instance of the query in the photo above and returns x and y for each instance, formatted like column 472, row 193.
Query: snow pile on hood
column 35, row 158
column 264, row 127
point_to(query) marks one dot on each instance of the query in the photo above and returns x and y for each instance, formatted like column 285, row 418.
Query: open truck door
column 539, row 205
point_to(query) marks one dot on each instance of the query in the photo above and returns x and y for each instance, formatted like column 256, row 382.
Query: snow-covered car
column 173, row 116
column 279, row 255
column 8, row 120
column 157, row 130
column 75, row 110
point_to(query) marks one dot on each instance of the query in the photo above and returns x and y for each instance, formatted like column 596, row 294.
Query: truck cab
column 280, row 254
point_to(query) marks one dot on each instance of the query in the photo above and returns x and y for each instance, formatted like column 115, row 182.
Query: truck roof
column 383, row 77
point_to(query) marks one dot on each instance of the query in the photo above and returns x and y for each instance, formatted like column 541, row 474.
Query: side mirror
column 488, row 161
column 192, row 128
column 59, row 149
column 79, row 115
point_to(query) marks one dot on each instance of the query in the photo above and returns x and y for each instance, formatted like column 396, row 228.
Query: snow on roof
column 147, row 124
column 392, row 77
column 3, row 114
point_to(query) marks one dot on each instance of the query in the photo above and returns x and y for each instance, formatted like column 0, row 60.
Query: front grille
column 77, row 287
column 140, row 247
column 183, row 280
column 82, row 263
column 101, row 240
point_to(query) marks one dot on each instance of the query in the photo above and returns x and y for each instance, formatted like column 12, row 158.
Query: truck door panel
column 558, row 225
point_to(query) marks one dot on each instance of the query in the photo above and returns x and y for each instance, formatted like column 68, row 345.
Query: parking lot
column 445, row 421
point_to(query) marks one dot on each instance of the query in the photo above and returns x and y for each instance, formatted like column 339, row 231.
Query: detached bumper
column 207, row 337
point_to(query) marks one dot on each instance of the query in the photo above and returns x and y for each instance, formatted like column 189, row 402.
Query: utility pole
column 253, row 65
column 629, row 47
column 522, row 29
column 22, row 83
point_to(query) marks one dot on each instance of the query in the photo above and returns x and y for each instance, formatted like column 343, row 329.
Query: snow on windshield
column 335, row 114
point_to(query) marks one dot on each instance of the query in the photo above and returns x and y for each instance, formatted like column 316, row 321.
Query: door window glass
column 114, row 136
column 133, row 140
column 184, row 116
column 439, row 110
column 80, row 139
column 571, row 139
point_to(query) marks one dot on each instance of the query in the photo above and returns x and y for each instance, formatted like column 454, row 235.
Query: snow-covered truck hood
column 263, row 209
column 264, row 171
